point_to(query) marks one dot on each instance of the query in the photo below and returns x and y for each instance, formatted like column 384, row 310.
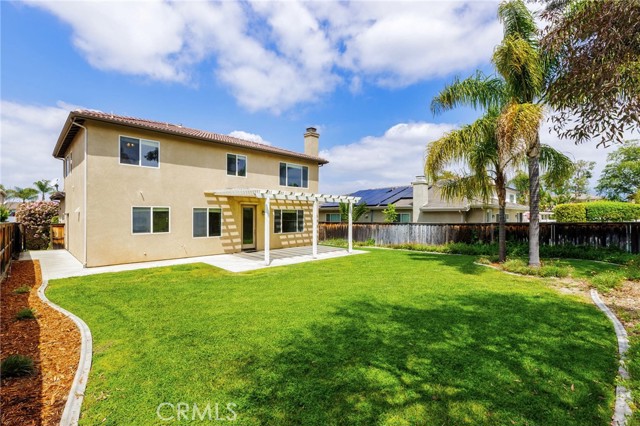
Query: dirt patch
column 625, row 302
column 51, row 340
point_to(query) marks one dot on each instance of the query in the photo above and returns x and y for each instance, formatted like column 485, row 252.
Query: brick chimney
column 311, row 140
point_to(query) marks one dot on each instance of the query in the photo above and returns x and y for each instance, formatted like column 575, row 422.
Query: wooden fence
column 10, row 245
column 623, row 235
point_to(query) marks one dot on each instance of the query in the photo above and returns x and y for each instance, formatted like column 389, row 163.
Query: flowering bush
column 36, row 218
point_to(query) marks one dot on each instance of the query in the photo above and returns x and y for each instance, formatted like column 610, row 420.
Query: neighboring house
column 423, row 202
column 138, row 190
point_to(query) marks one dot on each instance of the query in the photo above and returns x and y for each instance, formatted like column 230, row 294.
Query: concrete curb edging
column 623, row 395
column 71, row 412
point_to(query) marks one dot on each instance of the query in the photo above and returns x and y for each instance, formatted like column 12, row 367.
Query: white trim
column 276, row 194
column 151, row 218
column 140, row 140
column 207, row 208
column 267, row 230
column 286, row 175
column 246, row 164
column 314, row 237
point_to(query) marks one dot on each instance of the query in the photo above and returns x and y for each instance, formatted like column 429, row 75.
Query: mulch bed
column 51, row 340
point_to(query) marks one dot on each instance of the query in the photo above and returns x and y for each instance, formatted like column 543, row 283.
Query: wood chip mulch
column 51, row 340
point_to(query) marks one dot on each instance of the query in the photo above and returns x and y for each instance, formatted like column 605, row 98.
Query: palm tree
column 524, row 70
column 24, row 194
column 358, row 211
column 44, row 186
column 478, row 148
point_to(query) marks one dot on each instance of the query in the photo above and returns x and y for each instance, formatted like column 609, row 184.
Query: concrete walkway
column 61, row 264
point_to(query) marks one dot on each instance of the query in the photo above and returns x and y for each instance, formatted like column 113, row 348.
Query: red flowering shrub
column 36, row 218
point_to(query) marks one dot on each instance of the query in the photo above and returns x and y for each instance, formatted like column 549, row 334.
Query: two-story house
column 140, row 190
column 422, row 202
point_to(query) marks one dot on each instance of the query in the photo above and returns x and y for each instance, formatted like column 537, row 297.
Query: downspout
column 84, row 192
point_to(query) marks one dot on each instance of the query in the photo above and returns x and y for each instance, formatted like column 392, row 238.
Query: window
column 68, row 165
column 404, row 218
column 236, row 165
column 287, row 221
column 207, row 222
column 512, row 198
column 334, row 217
column 294, row 175
column 139, row 152
column 149, row 220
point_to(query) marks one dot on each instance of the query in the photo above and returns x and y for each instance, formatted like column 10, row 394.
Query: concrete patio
column 61, row 264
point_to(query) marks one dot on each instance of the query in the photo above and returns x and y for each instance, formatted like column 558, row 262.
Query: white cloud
column 240, row 134
column 276, row 55
column 28, row 133
column 394, row 158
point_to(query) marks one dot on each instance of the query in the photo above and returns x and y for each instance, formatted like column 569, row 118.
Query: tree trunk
column 534, row 203
column 501, row 191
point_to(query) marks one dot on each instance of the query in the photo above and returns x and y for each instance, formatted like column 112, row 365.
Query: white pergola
column 274, row 194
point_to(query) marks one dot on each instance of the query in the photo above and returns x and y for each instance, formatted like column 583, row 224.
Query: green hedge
column 570, row 212
column 597, row 211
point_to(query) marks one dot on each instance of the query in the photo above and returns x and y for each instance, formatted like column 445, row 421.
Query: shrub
column 607, row 280
column 612, row 211
column 570, row 212
column 22, row 290
column 549, row 269
column 25, row 314
column 16, row 366
column 36, row 218
column 4, row 213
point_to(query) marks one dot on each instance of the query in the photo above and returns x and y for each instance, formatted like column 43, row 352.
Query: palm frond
column 517, row 20
column 477, row 91
column 520, row 65
column 557, row 166
column 470, row 187
column 518, row 126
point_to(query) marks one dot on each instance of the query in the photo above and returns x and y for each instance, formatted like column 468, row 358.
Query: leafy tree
column 521, row 183
column 44, row 186
column 620, row 179
column 358, row 211
column 390, row 214
column 24, row 194
column 4, row 213
column 595, row 81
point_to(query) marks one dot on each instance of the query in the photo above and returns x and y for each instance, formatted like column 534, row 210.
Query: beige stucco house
column 140, row 190
column 422, row 202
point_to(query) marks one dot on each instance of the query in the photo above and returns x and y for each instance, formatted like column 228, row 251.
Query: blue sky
column 362, row 72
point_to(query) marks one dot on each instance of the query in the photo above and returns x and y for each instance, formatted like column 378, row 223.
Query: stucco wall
column 74, row 199
column 187, row 170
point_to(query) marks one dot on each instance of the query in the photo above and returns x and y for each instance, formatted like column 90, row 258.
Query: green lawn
column 385, row 338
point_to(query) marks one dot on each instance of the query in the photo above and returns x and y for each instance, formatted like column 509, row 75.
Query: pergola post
column 350, row 227
column 315, row 229
column 267, row 230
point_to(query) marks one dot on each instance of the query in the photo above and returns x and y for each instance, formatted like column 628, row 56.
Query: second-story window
column 68, row 164
column 236, row 165
column 294, row 175
column 139, row 152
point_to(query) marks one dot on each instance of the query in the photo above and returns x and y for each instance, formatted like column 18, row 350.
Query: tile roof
column 380, row 197
column 69, row 131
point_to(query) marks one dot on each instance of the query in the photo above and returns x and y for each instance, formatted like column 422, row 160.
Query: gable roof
column 69, row 131
column 380, row 197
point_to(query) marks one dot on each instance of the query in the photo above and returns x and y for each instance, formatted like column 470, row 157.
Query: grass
column 384, row 338
column 22, row 290
column 16, row 366
column 25, row 314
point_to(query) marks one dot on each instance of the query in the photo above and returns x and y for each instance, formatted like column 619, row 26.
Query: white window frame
column 286, row 175
column 151, row 222
column 404, row 214
column 246, row 165
column 207, row 209
column 512, row 198
column 68, row 164
column 280, row 211
column 140, row 141
column 327, row 217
